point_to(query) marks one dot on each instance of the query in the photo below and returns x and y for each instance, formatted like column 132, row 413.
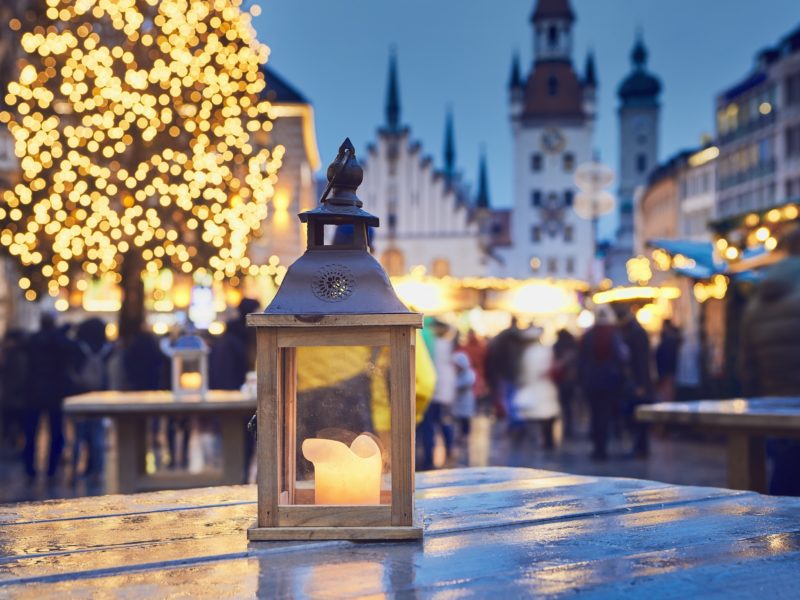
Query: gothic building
column 428, row 217
column 552, row 111
column 639, row 112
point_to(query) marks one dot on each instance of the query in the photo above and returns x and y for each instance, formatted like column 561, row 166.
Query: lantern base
column 374, row 534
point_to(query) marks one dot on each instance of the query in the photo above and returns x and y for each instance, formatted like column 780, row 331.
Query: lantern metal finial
column 344, row 176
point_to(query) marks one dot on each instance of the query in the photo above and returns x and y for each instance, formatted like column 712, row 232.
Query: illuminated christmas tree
column 134, row 125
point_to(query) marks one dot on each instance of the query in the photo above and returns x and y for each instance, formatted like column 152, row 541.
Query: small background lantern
column 189, row 355
column 335, row 366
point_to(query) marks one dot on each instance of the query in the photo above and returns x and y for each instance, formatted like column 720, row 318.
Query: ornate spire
column 393, row 96
column 553, row 9
column 482, row 198
column 515, row 80
column 639, row 52
column 589, row 75
column 449, row 146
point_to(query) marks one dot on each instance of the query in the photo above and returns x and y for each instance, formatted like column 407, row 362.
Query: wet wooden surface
column 746, row 423
column 160, row 402
column 493, row 532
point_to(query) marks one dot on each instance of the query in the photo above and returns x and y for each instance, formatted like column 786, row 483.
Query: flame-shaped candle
column 345, row 475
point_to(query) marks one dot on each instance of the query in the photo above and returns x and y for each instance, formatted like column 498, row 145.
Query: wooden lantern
column 329, row 466
column 189, row 356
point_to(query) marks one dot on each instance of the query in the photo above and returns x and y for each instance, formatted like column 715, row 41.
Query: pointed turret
column 640, row 88
column 515, row 79
column 482, row 197
column 589, row 74
column 449, row 146
column 393, row 96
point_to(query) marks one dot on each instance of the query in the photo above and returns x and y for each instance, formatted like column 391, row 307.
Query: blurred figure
column 536, row 399
column 667, row 360
column 475, row 348
column 143, row 366
column 233, row 353
column 639, row 389
column 502, row 369
column 51, row 359
column 565, row 375
column 90, row 375
column 439, row 415
column 464, row 404
column 13, row 374
column 769, row 361
column 601, row 370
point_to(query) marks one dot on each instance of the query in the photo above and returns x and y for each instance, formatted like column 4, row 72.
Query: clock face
column 553, row 140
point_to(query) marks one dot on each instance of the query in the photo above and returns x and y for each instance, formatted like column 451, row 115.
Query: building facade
column 639, row 116
column 758, row 132
column 282, row 234
column 552, row 113
column 427, row 216
column 697, row 187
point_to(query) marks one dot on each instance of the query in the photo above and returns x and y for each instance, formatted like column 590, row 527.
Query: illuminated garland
column 134, row 123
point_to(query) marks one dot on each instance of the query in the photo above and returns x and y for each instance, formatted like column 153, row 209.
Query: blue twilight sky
column 458, row 53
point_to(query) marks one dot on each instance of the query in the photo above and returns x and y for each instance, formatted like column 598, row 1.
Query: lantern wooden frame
column 279, row 518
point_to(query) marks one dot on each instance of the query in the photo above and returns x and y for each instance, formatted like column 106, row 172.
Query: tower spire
column 482, row 198
column 515, row 79
column 639, row 52
column 449, row 146
column 589, row 73
column 393, row 95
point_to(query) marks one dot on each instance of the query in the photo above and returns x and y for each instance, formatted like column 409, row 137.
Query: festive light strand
column 140, row 127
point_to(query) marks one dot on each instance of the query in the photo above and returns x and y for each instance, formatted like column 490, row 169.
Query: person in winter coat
column 464, row 404
column 439, row 414
column 639, row 388
column 52, row 358
column 14, row 378
column 667, row 360
column 502, row 369
column 536, row 399
column 602, row 360
column 565, row 374
column 769, row 360
column 91, row 375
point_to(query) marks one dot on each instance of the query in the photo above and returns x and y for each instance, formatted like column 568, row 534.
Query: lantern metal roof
column 341, row 278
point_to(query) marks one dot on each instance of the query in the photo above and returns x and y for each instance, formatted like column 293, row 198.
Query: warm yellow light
column 625, row 294
column 790, row 212
column 160, row 328
column 191, row 380
column 345, row 475
column 751, row 220
column 770, row 243
column 762, row 233
column 647, row 315
column 61, row 305
column 216, row 328
column 765, row 108
column 721, row 244
column 774, row 215
column 703, row 156
column 731, row 253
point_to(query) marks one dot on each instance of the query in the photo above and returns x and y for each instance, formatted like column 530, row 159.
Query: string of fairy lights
column 135, row 123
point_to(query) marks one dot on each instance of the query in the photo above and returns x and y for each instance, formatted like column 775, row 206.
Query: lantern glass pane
column 342, row 426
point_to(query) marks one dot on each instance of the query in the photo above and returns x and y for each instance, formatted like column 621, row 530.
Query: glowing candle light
column 191, row 380
column 345, row 475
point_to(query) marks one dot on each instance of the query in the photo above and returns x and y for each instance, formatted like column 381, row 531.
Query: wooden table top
column 752, row 413
column 163, row 401
column 491, row 532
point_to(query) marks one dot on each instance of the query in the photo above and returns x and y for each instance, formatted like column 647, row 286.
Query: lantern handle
column 343, row 152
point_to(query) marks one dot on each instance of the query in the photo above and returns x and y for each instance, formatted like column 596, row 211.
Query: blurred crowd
column 543, row 392
column 39, row 370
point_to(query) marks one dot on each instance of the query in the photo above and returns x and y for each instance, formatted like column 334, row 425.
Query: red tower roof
column 553, row 9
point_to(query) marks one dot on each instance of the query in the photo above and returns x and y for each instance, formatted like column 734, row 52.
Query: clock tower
column 552, row 112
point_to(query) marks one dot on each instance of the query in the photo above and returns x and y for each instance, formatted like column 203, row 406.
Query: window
column 792, row 139
column 440, row 267
column 570, row 264
column 536, row 198
column 536, row 234
column 552, row 264
column 536, row 264
column 569, row 196
column 569, row 233
column 392, row 220
column 569, row 162
column 552, row 85
column 536, row 162
column 641, row 163
column 552, row 36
